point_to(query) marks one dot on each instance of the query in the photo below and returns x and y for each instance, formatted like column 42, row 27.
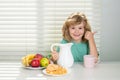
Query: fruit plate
column 68, row 71
column 33, row 67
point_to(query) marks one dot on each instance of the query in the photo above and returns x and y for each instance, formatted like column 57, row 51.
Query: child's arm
column 54, row 56
column 93, row 50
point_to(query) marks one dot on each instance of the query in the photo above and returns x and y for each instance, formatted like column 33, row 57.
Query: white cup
column 89, row 61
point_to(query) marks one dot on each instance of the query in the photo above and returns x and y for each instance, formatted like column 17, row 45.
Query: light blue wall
column 110, row 30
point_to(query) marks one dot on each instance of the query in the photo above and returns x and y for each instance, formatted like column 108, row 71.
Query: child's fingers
column 87, row 34
column 54, row 55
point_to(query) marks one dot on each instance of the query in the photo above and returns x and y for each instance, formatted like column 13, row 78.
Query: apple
column 39, row 56
column 35, row 62
column 44, row 62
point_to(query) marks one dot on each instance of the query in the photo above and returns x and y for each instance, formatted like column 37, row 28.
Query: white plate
column 44, row 71
column 34, row 67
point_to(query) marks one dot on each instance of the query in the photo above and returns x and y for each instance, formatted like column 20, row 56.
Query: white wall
column 110, row 39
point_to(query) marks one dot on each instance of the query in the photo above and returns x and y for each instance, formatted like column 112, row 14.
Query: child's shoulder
column 64, row 41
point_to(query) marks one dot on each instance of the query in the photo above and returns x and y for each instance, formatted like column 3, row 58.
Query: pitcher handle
column 52, row 46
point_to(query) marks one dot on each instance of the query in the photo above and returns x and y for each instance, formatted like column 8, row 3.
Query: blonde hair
column 75, row 19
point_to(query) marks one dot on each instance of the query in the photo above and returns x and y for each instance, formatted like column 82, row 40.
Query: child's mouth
column 78, row 35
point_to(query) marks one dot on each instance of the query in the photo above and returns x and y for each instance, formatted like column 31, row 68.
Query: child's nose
column 76, row 30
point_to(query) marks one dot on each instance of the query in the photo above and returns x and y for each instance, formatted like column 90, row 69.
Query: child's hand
column 55, row 55
column 89, row 35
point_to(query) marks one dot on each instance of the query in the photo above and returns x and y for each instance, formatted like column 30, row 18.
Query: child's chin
column 77, row 38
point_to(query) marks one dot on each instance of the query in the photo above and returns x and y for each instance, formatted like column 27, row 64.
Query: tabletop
column 102, row 71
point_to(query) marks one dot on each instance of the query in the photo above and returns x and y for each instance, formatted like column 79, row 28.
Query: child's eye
column 73, row 28
column 80, row 28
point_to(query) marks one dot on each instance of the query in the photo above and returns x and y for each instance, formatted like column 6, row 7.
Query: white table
column 103, row 71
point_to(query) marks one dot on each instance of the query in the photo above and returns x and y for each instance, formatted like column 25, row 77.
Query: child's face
column 76, row 32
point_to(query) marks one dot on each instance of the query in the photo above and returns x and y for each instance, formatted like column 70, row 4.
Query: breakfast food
column 26, row 60
column 35, row 60
column 55, row 69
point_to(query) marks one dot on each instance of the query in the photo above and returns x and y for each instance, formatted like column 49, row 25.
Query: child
column 77, row 30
